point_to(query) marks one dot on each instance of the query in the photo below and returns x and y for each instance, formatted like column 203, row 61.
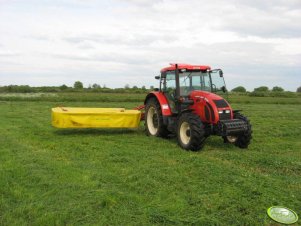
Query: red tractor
column 187, row 104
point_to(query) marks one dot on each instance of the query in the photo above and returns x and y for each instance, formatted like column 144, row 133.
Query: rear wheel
column 154, row 119
column 190, row 132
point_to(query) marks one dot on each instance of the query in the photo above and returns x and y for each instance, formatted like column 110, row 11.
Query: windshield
column 212, row 81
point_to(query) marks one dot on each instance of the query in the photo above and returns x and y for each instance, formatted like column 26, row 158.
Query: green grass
column 122, row 177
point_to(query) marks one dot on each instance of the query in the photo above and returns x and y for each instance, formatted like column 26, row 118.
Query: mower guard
column 67, row 117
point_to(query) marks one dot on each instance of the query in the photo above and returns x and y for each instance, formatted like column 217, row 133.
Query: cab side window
column 170, row 81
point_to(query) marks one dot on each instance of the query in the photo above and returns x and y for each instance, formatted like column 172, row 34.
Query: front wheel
column 230, row 139
column 243, row 140
column 190, row 132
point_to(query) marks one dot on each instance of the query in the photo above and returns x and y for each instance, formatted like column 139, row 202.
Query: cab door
column 169, row 89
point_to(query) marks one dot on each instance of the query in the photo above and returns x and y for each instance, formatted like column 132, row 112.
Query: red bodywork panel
column 162, row 100
column 172, row 67
column 203, row 100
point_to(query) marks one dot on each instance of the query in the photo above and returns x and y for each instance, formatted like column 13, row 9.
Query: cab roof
column 172, row 67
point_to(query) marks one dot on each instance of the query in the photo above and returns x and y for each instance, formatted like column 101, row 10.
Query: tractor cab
column 191, row 78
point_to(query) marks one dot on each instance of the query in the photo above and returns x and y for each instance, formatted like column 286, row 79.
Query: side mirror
column 157, row 77
column 220, row 73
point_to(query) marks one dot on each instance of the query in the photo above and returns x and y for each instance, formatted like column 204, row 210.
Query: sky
column 118, row 42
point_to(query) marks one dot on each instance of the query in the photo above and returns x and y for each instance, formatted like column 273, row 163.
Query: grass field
column 122, row 177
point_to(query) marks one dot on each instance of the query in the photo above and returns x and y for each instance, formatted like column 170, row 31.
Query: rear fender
column 166, row 111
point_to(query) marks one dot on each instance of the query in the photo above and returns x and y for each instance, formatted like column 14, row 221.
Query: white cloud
column 128, row 41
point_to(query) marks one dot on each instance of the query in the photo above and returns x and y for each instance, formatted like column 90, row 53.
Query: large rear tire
column 243, row 140
column 190, row 132
column 154, row 119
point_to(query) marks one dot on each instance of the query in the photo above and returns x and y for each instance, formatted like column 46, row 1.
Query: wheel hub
column 185, row 133
column 152, row 120
column 155, row 120
column 231, row 139
column 188, row 133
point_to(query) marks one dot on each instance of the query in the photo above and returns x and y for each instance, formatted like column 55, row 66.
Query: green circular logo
column 282, row 215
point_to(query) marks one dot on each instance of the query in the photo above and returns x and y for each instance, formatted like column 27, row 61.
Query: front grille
column 224, row 116
column 220, row 103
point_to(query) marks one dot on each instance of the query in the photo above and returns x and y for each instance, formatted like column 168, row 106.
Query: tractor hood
column 205, row 94
column 210, row 107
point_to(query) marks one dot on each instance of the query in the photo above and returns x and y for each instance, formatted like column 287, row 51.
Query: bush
column 78, row 85
column 259, row 94
column 63, row 87
column 283, row 94
column 239, row 89
column 273, row 94
column 17, row 89
column 277, row 89
column 261, row 89
column 47, row 89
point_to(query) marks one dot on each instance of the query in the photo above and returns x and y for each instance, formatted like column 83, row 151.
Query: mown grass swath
column 122, row 177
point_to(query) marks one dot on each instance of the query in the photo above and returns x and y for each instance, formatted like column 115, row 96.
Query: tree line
column 263, row 91
column 77, row 87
